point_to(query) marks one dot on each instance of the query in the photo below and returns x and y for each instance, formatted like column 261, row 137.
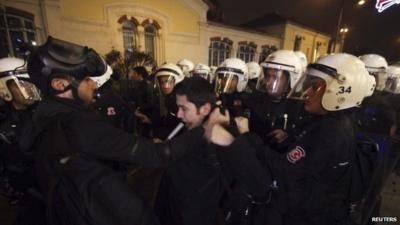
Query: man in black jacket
column 191, row 187
column 75, row 147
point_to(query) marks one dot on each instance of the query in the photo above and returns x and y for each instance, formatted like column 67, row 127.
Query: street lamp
column 343, row 32
column 339, row 24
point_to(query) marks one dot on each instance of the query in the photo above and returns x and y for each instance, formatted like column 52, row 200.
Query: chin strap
column 73, row 86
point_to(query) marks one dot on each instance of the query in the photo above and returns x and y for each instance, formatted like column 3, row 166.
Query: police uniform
column 268, row 114
column 377, row 114
column 312, row 175
column 163, row 116
column 17, row 180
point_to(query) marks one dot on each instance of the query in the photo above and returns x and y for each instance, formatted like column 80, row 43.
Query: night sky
column 370, row 31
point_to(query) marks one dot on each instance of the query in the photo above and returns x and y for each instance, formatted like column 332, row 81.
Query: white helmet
column 173, row 75
column 393, row 81
column 15, row 69
column 254, row 70
column 186, row 66
column 376, row 66
column 281, row 70
column 203, row 71
column 231, row 71
column 303, row 60
column 347, row 81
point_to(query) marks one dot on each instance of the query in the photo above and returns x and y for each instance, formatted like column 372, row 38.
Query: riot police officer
column 377, row 115
column 313, row 174
column 272, row 115
column 17, row 181
column 186, row 66
column 254, row 73
column 163, row 116
column 203, row 71
column 230, row 82
column 74, row 145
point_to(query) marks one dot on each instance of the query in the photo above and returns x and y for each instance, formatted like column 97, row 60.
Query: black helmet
column 58, row 58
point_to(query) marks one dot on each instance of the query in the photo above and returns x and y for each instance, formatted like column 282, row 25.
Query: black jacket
column 163, row 116
column 191, row 188
column 74, row 146
column 268, row 114
column 313, row 175
column 378, row 114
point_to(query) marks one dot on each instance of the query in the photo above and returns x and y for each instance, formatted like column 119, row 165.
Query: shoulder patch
column 111, row 111
column 296, row 154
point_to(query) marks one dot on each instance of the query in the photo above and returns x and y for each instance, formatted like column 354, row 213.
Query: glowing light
column 361, row 2
column 382, row 5
column 344, row 30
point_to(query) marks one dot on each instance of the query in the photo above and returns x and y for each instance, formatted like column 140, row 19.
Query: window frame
column 246, row 52
column 21, row 30
column 219, row 50
column 129, row 35
column 153, row 36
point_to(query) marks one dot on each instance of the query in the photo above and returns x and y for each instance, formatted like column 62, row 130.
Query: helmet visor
column 27, row 89
column 393, row 85
column 274, row 82
column 305, row 84
column 380, row 79
column 226, row 82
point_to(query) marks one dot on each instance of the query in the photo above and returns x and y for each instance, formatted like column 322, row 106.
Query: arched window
column 15, row 24
column 129, row 32
column 150, row 39
column 246, row 52
column 219, row 50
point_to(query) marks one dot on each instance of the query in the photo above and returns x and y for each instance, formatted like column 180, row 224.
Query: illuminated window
column 14, row 24
column 246, row 52
column 150, row 40
column 219, row 50
column 129, row 33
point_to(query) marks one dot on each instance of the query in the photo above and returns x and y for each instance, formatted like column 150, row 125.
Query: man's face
column 189, row 113
column 313, row 100
column 86, row 90
column 166, row 84
column 275, row 82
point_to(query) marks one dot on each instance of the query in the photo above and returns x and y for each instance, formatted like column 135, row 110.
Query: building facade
column 167, row 30
column 295, row 36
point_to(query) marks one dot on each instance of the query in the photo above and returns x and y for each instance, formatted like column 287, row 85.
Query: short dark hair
column 197, row 90
column 141, row 70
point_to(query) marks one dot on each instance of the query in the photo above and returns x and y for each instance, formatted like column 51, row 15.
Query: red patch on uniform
column 111, row 111
column 237, row 103
column 296, row 154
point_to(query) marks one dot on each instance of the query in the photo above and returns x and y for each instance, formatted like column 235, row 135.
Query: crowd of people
column 282, row 141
